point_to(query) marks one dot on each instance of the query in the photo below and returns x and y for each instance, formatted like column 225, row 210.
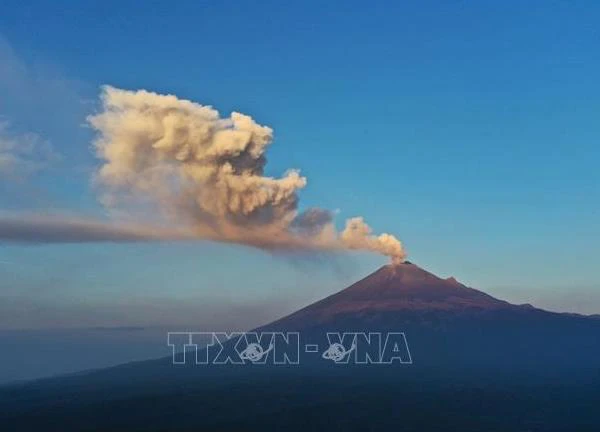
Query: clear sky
column 470, row 130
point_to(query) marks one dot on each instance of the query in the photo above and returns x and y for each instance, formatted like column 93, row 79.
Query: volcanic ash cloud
column 206, row 174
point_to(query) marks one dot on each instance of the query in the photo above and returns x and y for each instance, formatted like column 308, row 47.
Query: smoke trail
column 204, row 175
column 37, row 229
column 207, row 172
column 357, row 235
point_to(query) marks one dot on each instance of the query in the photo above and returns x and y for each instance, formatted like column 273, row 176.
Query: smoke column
column 205, row 173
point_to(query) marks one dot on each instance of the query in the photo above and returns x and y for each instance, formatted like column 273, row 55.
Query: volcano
column 478, row 363
column 449, row 325
column 404, row 293
column 396, row 288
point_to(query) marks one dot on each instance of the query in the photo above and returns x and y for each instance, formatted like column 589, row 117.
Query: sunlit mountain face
column 449, row 325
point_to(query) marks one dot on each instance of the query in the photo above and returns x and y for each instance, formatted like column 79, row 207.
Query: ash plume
column 206, row 172
column 358, row 235
column 203, row 176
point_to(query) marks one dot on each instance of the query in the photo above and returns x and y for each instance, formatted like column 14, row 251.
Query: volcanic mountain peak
column 407, row 285
column 402, row 274
column 397, row 288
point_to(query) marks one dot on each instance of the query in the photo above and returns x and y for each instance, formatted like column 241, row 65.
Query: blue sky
column 468, row 129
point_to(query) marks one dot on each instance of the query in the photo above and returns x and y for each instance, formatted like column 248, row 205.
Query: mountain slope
column 451, row 326
column 479, row 363
column 397, row 288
